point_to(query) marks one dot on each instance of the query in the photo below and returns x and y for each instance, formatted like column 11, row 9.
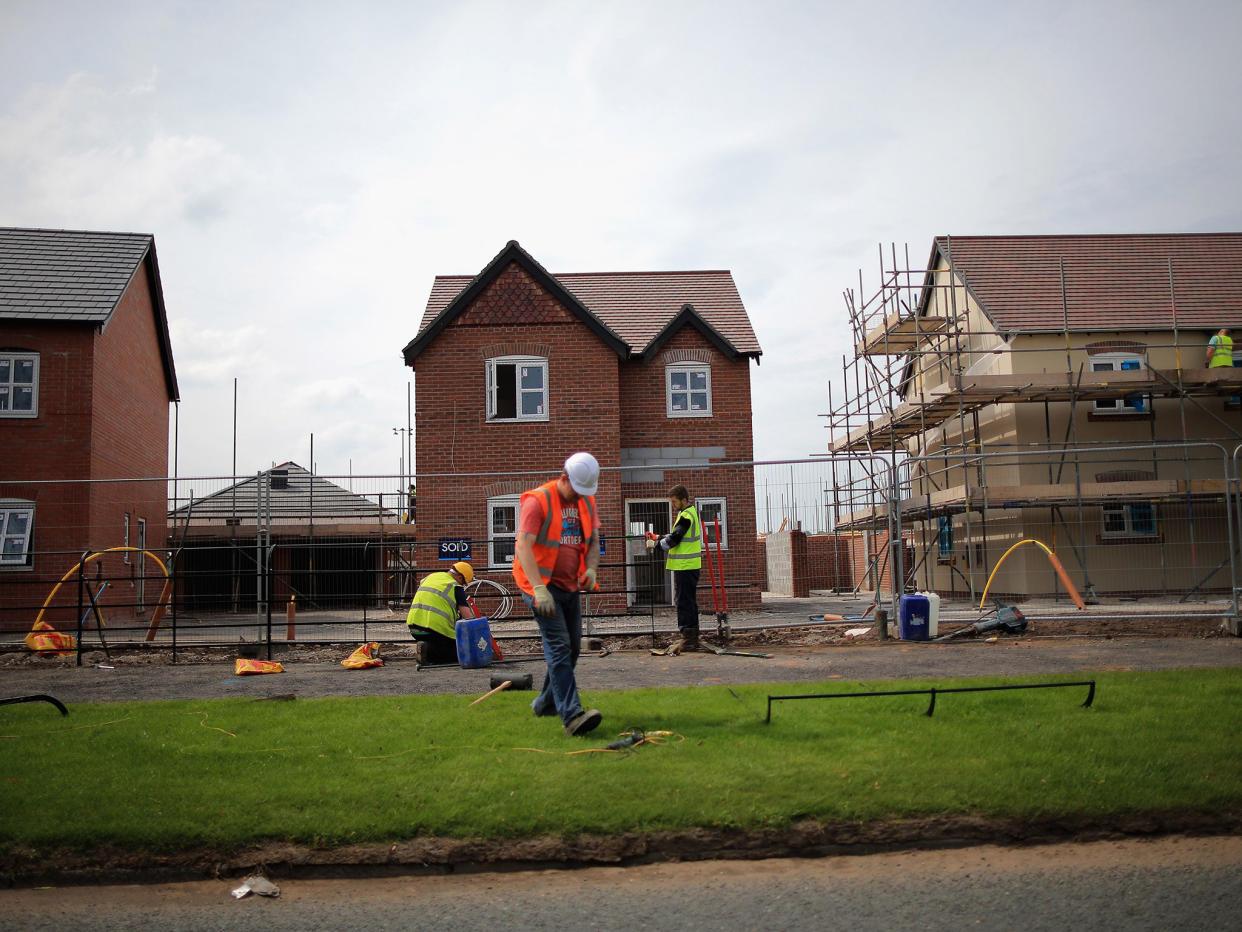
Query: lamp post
column 400, row 432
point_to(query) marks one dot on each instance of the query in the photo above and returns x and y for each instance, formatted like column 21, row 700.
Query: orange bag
column 244, row 666
column 46, row 641
column 365, row 656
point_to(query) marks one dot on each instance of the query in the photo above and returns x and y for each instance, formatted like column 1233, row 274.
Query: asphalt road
column 129, row 681
column 1168, row 883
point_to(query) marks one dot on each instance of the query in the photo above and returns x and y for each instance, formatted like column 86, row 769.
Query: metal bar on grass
column 933, row 692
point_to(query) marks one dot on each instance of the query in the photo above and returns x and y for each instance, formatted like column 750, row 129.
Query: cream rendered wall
column 1192, row 539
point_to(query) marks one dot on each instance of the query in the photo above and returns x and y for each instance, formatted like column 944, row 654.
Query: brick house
column 516, row 368
column 86, row 378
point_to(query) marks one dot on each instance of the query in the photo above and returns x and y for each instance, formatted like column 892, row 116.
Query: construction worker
column 438, row 603
column 557, row 555
column 684, row 548
column 1220, row 349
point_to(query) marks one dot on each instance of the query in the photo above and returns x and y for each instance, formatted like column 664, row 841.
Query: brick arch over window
column 703, row 356
column 1125, row 475
column 516, row 348
column 1116, row 346
column 511, row 487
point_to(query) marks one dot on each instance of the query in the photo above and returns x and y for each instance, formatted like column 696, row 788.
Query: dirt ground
column 809, row 653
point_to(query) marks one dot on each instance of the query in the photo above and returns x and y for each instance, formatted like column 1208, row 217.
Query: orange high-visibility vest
column 548, row 540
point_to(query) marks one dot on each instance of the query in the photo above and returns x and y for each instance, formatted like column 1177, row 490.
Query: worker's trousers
column 686, row 595
column 562, row 641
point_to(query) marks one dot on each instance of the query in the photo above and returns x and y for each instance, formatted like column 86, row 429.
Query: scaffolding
column 935, row 388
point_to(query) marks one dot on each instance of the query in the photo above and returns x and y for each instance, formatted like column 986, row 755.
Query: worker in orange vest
column 556, row 556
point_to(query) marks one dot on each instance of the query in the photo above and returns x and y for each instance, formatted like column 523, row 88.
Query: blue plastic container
column 912, row 618
column 474, row 642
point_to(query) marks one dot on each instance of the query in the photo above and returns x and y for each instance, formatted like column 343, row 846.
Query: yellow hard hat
column 466, row 570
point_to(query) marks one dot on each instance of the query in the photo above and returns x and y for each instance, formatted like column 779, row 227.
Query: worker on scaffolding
column 440, row 600
column 1220, row 349
column 684, row 548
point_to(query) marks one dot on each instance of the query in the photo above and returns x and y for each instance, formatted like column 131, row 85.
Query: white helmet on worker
column 582, row 469
column 466, row 571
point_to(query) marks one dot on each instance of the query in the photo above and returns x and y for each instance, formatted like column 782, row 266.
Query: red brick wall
column 103, row 413
column 828, row 562
column 454, row 437
column 645, row 424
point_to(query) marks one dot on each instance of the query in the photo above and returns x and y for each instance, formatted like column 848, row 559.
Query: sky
column 308, row 168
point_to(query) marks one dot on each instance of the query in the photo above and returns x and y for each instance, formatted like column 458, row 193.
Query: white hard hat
column 583, row 472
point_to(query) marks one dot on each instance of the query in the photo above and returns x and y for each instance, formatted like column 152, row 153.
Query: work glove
column 588, row 582
column 544, row 605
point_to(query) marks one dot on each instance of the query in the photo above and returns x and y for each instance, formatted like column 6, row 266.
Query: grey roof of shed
column 77, row 276
column 638, row 307
column 306, row 496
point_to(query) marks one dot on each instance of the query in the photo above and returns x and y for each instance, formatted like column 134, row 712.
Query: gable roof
column 640, row 309
column 1111, row 282
column 306, row 495
column 77, row 276
column 435, row 321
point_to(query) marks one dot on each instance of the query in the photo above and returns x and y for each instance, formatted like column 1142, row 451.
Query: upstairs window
column 517, row 388
column 1130, row 404
column 16, row 527
column 19, row 384
column 688, row 390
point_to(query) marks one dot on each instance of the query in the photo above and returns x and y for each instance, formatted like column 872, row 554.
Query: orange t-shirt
column 569, row 551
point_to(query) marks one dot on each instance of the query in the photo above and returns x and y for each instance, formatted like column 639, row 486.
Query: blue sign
column 453, row 549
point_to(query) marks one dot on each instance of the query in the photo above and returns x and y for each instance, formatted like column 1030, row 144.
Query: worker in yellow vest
column 1220, row 349
column 684, row 546
column 440, row 600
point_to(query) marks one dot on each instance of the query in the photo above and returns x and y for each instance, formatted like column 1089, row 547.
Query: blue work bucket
column 912, row 619
column 474, row 642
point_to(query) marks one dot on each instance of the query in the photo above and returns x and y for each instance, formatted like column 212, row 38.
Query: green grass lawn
column 164, row 775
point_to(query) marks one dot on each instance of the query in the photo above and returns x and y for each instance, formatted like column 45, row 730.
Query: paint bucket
column 912, row 623
column 474, row 642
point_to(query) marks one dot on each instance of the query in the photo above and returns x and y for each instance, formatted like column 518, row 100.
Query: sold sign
column 455, row 548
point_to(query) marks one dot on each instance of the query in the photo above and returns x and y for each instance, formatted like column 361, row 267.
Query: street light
column 402, row 489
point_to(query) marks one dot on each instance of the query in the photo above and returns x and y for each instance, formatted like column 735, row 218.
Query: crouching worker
column 556, row 554
column 438, row 603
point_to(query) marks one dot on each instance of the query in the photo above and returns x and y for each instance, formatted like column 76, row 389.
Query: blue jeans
column 562, row 641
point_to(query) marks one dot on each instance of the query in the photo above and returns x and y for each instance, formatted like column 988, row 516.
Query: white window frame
column 1137, row 403
column 699, row 503
column 520, row 363
column 11, row 508
column 688, row 369
column 493, row 504
column 1125, row 510
column 125, row 538
column 7, row 384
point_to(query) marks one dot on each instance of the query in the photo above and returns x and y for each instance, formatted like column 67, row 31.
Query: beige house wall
column 1192, row 538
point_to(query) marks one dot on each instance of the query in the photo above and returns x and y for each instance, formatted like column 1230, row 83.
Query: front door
column 646, row 581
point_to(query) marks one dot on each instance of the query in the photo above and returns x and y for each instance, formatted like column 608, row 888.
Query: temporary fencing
column 285, row 556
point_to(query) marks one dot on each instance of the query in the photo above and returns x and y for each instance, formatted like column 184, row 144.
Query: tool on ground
column 487, row 695
column 1008, row 618
column 829, row 619
column 525, row 681
column 731, row 653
